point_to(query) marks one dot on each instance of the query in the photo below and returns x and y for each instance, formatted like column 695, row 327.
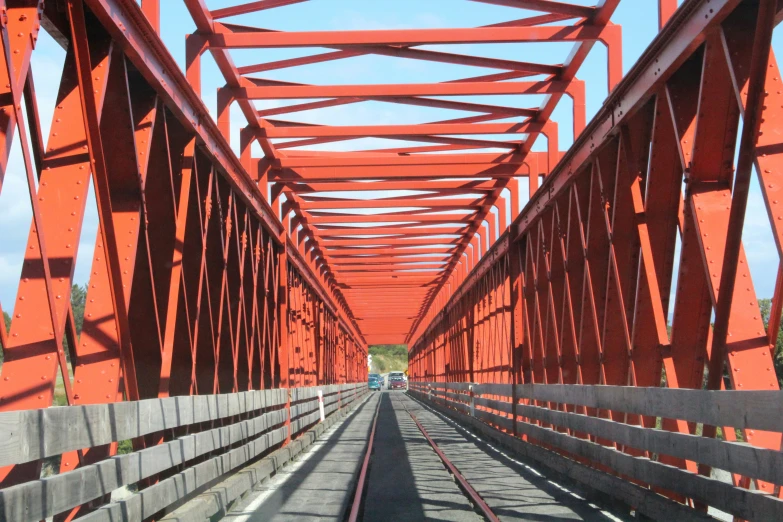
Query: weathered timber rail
column 611, row 438
column 231, row 430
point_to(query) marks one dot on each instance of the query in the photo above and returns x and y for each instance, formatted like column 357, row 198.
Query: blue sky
column 637, row 17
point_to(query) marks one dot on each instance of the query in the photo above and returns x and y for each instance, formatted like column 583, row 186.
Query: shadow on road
column 407, row 481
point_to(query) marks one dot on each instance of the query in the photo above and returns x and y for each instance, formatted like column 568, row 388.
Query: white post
column 321, row 404
column 472, row 402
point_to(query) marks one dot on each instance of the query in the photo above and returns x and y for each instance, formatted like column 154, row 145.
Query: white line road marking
column 509, row 457
column 282, row 476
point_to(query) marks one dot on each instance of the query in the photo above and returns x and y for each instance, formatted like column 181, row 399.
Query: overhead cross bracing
column 198, row 312
column 391, row 220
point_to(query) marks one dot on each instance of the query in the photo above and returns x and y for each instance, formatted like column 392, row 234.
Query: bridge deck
column 407, row 480
column 314, row 487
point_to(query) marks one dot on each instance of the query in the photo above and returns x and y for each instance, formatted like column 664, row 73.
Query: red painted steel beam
column 619, row 248
column 231, row 40
column 361, row 131
column 313, row 174
column 337, row 134
column 495, row 110
column 393, row 293
column 443, row 204
column 289, row 92
column 335, row 218
column 353, row 47
column 153, row 60
column 325, row 227
column 535, row 162
column 384, row 197
column 204, row 23
column 348, row 159
column 354, row 253
column 178, row 214
column 641, row 82
column 124, row 21
column 401, row 232
column 612, row 39
column 408, row 52
column 404, row 52
column 376, row 242
column 365, row 296
column 402, row 278
column 312, row 191
column 385, row 259
column 401, row 215
column 151, row 9
column 312, row 279
column 455, row 143
column 195, row 46
column 389, row 267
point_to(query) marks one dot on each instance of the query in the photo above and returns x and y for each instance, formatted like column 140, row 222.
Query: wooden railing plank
column 724, row 408
column 759, row 410
column 743, row 503
column 736, row 457
column 647, row 502
column 40, row 433
column 167, row 492
column 47, row 497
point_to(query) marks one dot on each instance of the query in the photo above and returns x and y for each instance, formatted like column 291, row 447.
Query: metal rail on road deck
column 363, row 477
column 585, row 423
column 214, row 273
column 627, row 269
column 464, row 485
column 195, row 286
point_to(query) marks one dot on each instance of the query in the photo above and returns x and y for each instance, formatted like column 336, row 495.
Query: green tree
column 389, row 357
column 78, row 300
column 392, row 350
column 765, row 306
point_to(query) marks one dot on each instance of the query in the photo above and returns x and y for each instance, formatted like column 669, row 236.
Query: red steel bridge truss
column 494, row 254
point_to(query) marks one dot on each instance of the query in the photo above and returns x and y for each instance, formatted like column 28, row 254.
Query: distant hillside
column 389, row 358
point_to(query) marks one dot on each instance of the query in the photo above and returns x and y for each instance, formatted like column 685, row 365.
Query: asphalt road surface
column 406, row 479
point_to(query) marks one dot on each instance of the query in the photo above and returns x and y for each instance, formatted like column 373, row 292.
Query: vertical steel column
column 517, row 289
column 151, row 9
column 283, row 357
